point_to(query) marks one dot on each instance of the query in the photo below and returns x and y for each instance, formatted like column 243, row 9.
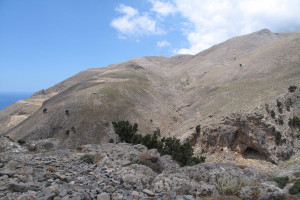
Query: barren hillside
column 174, row 94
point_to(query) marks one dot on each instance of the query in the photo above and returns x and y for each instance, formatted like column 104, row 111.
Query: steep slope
column 174, row 94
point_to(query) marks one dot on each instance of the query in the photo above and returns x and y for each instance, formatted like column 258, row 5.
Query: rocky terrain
column 43, row 170
column 238, row 93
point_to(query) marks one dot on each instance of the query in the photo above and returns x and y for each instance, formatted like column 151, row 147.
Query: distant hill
column 174, row 94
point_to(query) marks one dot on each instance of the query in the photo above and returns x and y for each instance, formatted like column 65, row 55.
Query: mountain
column 224, row 89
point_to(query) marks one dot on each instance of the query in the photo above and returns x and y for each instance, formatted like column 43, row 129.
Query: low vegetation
column 273, row 114
column 292, row 88
column 288, row 104
column 295, row 189
column 79, row 148
column 230, row 185
column 88, row 158
column 294, row 122
column 279, row 106
column 281, row 181
column 182, row 153
column 21, row 141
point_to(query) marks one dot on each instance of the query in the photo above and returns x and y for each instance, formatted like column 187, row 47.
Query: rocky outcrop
column 117, row 172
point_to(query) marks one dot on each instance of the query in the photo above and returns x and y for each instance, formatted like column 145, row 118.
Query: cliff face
column 224, row 89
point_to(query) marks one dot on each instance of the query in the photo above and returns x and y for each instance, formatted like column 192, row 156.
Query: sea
column 8, row 98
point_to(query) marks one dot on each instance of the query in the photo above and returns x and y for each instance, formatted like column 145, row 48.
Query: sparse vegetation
column 79, row 148
column 267, row 108
column 281, row 181
column 288, row 104
column 279, row 106
column 295, row 189
column 277, row 138
column 280, row 120
column 182, row 153
column 273, row 114
column 294, row 122
column 111, row 140
column 88, row 158
column 21, row 141
column 230, row 185
column 292, row 88
column 198, row 129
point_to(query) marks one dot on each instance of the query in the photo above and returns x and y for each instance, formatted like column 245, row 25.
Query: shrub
column 88, row 158
column 281, row 181
column 111, row 140
column 295, row 189
column 294, row 122
column 273, row 114
column 292, row 88
column 277, row 138
column 182, row 153
column 21, row 141
column 279, row 106
column 230, row 185
column 288, row 104
column 44, row 110
column 198, row 129
column 67, row 112
column 157, row 132
column 267, row 108
column 125, row 131
column 79, row 148
column 280, row 120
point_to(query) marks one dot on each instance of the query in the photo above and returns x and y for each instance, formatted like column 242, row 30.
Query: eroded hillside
column 213, row 89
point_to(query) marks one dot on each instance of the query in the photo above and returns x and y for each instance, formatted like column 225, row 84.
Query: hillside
column 229, row 80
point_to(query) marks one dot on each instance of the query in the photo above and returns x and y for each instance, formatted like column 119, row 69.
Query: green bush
column 280, row 120
column 111, row 140
column 288, row 104
column 88, row 158
column 292, row 88
column 277, row 138
column 281, row 181
column 79, row 148
column 267, row 108
column 182, row 153
column 295, row 189
column 294, row 122
column 198, row 129
column 279, row 106
column 125, row 131
column 21, row 141
column 273, row 114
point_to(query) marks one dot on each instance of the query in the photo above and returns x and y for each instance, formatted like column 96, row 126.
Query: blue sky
column 43, row 42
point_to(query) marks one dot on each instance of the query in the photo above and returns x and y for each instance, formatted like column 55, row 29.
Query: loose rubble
column 117, row 173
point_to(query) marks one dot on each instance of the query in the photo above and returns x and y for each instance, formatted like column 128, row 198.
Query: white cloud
column 205, row 23
column 163, row 43
column 214, row 21
column 132, row 23
column 163, row 8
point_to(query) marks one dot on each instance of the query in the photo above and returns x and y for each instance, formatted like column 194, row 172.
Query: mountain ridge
column 174, row 94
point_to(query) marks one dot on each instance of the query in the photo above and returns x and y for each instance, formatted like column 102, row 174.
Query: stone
column 61, row 177
column 148, row 192
column 18, row 187
column 7, row 172
column 27, row 197
column 103, row 196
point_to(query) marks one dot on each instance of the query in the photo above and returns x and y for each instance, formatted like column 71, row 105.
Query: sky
column 43, row 42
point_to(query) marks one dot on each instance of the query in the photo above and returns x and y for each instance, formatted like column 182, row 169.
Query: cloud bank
column 209, row 22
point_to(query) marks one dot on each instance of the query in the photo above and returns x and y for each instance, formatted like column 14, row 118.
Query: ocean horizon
column 8, row 98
